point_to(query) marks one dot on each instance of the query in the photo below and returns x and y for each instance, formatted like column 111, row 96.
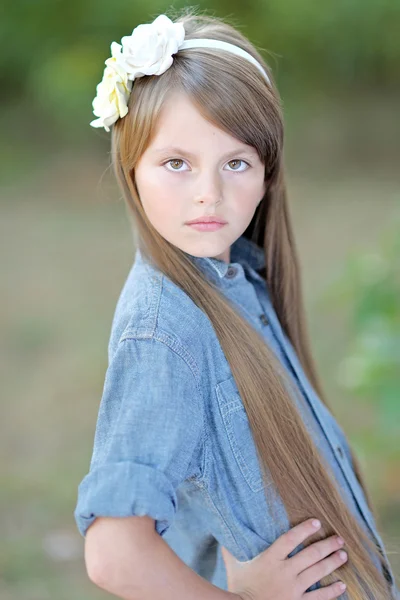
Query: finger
column 229, row 560
column 324, row 567
column 314, row 553
column 326, row 593
column 287, row 542
column 232, row 562
column 225, row 554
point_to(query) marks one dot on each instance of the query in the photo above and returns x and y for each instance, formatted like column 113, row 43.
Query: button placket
column 314, row 401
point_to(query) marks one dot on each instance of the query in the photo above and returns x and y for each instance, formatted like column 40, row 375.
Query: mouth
column 209, row 219
column 206, row 226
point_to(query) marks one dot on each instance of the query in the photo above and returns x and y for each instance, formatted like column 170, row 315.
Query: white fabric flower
column 111, row 101
column 149, row 50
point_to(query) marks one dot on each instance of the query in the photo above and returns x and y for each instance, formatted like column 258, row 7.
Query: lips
column 213, row 226
column 208, row 219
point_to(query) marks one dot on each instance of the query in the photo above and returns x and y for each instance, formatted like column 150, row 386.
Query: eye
column 239, row 160
column 174, row 161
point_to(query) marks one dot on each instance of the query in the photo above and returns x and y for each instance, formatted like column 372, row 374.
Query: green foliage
column 54, row 51
column 370, row 371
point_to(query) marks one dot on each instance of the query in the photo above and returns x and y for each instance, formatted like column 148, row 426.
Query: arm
column 128, row 558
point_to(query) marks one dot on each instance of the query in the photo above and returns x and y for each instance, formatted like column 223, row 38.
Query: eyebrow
column 175, row 149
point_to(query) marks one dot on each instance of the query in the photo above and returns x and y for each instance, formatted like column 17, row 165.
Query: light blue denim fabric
column 172, row 438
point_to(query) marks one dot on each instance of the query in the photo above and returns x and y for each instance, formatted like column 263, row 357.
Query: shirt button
column 340, row 451
column 264, row 319
column 231, row 272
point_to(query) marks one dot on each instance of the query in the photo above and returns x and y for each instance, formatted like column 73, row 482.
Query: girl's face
column 193, row 169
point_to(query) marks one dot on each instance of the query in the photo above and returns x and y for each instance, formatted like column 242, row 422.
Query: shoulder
column 151, row 306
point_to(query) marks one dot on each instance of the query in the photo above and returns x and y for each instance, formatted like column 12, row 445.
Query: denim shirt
column 172, row 437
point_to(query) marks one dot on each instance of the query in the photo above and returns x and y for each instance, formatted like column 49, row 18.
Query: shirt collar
column 243, row 251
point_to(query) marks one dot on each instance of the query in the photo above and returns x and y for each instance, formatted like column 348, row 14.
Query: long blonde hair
column 235, row 97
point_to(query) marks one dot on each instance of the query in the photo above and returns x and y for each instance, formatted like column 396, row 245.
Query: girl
column 214, row 442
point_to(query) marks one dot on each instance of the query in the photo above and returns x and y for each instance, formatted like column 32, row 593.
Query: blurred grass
column 65, row 251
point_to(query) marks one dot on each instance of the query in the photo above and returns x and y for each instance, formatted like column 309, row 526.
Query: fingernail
column 316, row 523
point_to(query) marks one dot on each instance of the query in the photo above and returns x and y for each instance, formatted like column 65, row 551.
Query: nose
column 208, row 188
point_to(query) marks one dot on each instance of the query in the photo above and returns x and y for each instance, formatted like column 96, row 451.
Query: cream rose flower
column 149, row 49
column 111, row 101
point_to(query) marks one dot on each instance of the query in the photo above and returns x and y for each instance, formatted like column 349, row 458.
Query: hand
column 273, row 576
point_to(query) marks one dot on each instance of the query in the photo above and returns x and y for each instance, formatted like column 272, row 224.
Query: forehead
column 177, row 114
column 181, row 123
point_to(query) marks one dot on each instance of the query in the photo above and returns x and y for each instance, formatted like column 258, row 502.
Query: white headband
column 147, row 51
column 219, row 44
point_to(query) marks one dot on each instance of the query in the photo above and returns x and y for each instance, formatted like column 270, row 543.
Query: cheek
column 150, row 188
column 160, row 200
column 246, row 195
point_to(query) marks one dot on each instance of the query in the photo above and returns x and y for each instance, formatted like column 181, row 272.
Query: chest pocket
column 238, row 432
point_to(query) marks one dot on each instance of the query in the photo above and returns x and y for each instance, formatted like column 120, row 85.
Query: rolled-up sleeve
column 149, row 435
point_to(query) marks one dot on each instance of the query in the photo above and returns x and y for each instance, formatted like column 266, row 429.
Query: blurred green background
column 67, row 247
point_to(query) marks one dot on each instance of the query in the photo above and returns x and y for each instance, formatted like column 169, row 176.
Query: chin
column 206, row 247
column 210, row 252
